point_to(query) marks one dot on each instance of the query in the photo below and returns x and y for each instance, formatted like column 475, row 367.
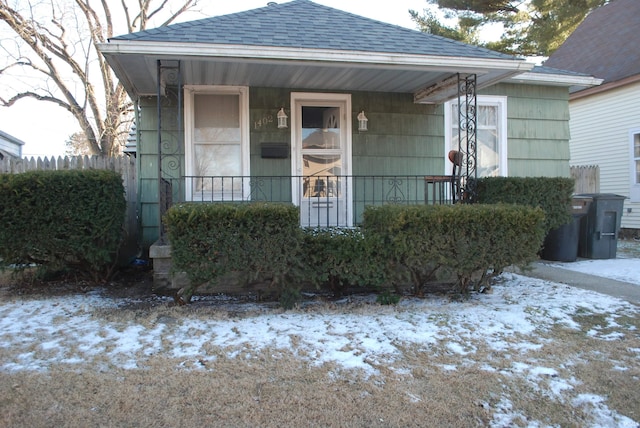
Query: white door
column 321, row 158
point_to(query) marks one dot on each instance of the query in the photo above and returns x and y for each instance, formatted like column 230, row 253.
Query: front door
column 321, row 154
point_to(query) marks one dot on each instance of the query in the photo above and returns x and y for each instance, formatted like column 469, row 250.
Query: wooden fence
column 587, row 178
column 125, row 165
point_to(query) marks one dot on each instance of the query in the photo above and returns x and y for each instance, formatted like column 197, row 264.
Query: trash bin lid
column 602, row 196
column 580, row 204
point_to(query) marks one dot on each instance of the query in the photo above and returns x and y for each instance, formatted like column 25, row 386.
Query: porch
column 324, row 200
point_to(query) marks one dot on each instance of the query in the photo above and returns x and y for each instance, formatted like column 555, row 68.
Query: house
column 10, row 146
column 298, row 102
column 605, row 120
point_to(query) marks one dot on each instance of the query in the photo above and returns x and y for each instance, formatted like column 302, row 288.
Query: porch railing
column 324, row 200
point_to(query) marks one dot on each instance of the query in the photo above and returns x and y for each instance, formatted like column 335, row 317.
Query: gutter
column 252, row 53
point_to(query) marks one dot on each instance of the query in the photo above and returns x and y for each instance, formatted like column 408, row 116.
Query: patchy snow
column 604, row 417
column 70, row 330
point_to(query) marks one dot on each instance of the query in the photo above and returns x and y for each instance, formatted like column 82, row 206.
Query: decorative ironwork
column 467, row 172
column 170, row 137
column 395, row 194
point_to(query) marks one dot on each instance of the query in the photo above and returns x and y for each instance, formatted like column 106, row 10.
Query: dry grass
column 427, row 386
column 271, row 387
column 264, row 392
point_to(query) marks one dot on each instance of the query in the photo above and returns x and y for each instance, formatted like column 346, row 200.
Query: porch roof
column 304, row 45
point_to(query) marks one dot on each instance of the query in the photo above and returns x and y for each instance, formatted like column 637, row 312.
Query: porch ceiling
column 428, row 78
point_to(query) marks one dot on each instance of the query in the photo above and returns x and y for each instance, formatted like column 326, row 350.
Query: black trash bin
column 561, row 244
column 600, row 227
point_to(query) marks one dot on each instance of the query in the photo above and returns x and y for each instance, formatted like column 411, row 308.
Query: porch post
column 161, row 211
column 169, row 146
column 467, row 136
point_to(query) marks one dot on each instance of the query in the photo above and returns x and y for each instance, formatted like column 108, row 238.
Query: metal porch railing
column 324, row 200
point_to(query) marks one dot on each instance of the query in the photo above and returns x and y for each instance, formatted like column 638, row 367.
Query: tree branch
column 55, row 38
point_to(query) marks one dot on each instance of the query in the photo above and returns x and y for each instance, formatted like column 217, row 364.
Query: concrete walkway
column 546, row 271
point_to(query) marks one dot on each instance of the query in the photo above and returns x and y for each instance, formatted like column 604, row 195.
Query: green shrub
column 290, row 296
column 338, row 258
column 386, row 297
column 62, row 220
column 209, row 240
column 552, row 194
column 469, row 243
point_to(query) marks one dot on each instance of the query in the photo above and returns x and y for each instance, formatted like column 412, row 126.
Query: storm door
column 321, row 153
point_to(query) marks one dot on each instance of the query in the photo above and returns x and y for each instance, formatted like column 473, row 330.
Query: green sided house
column 302, row 103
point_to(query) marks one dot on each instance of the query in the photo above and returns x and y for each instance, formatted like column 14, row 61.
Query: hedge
column 62, row 220
column 209, row 240
column 552, row 194
column 465, row 245
column 340, row 258
column 469, row 243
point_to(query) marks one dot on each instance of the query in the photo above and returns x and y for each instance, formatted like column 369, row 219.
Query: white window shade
column 217, row 134
column 491, row 134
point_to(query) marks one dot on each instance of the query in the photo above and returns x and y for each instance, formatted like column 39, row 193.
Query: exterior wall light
column 282, row 119
column 362, row 121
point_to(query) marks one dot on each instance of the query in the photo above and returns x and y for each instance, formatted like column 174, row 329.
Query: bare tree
column 49, row 55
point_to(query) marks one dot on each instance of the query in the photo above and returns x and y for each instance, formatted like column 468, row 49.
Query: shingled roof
column 301, row 44
column 606, row 44
column 304, row 24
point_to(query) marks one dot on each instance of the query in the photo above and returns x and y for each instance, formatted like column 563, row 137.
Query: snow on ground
column 621, row 269
column 67, row 330
column 63, row 329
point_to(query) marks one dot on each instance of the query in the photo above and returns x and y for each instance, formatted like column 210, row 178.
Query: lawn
column 531, row 353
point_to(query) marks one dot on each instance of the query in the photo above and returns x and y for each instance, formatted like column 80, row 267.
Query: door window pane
column 321, row 175
column 322, row 164
column 320, row 128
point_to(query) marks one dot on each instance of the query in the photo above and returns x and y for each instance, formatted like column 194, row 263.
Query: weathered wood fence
column 587, row 178
column 125, row 165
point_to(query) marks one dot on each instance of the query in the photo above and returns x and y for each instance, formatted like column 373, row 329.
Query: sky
column 45, row 127
column 67, row 332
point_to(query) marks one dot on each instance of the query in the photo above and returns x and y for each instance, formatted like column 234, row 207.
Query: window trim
column 189, row 152
column 501, row 102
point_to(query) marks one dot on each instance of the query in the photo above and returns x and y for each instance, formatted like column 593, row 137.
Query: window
column 217, row 143
column 634, row 136
column 491, row 134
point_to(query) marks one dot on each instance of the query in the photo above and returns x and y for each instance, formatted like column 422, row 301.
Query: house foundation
column 164, row 280
column 167, row 282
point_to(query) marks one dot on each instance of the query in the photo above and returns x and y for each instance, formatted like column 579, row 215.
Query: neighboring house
column 605, row 120
column 302, row 103
column 10, row 146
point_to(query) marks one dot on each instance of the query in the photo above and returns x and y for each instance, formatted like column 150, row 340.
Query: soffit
column 427, row 77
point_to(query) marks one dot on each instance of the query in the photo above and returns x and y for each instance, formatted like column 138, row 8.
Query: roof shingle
column 606, row 44
column 308, row 25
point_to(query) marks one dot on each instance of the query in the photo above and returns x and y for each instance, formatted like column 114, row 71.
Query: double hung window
column 491, row 136
column 217, row 142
